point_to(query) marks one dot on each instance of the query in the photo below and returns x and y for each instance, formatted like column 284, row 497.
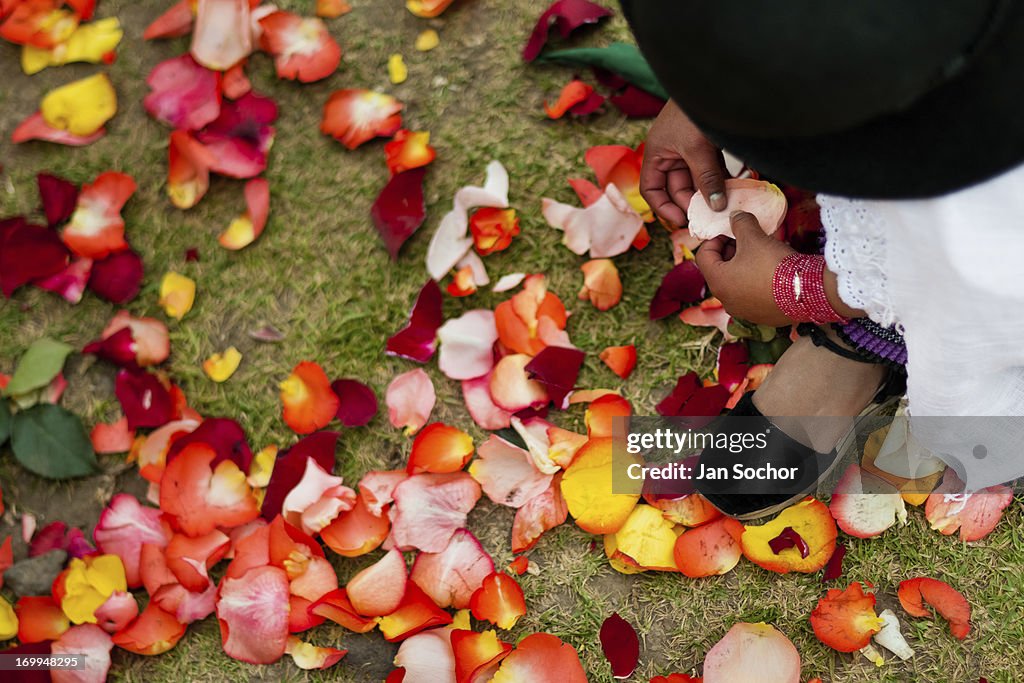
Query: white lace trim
column 855, row 251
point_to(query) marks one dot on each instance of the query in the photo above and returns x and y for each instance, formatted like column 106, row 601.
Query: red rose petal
column 834, row 567
column 28, row 252
column 357, row 404
column 291, row 465
column 399, row 211
column 71, row 282
column 58, row 196
column 145, row 401
column 557, row 369
column 418, row 339
column 636, row 103
column 240, row 138
column 118, row 277
column 682, row 285
column 621, row 646
column 789, row 539
column 223, row 435
column 568, row 15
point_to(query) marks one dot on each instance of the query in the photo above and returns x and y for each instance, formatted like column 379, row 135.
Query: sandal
column 780, row 470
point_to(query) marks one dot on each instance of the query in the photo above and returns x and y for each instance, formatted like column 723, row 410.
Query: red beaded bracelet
column 799, row 290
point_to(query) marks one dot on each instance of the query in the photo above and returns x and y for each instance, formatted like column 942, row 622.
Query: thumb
column 745, row 228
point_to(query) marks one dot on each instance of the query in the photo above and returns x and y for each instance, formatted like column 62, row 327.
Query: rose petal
column 58, row 197
column 761, row 198
column 506, row 473
column 92, row 645
column 538, row 515
column 27, row 253
column 118, row 277
column 975, row 514
column 645, row 541
column 36, row 128
column 601, row 284
column 637, row 103
column 144, row 399
column 567, row 15
column 863, row 505
column 253, row 615
column 356, row 532
column 427, row 657
column 354, row 116
column 336, row 607
column 477, row 395
column 245, row 229
column 684, row 284
column 845, row 620
column 538, row 657
column 477, row 655
column 239, row 139
column 410, row 399
column 290, row 467
column 557, row 369
column 510, row 385
column 399, row 211
column 221, row 36
column 309, row 657
column 621, row 646
column 153, row 632
column 709, row 550
column 467, row 345
column 308, row 402
column 40, row 618
column 499, row 600
column 175, row 22
column 429, row 508
column 418, row 339
column 811, row 520
column 378, row 589
column 200, row 497
column 587, row 487
column 302, row 47
column 947, row 601
column 605, row 228
column 752, row 652
column 620, row 359
column 408, row 150
column 357, row 404
column 440, row 448
column 573, row 93
column 415, row 613
column 183, row 94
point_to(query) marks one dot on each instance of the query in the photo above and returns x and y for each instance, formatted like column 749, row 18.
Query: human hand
column 740, row 272
column 678, row 161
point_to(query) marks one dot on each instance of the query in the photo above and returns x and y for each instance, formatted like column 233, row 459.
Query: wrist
column 800, row 292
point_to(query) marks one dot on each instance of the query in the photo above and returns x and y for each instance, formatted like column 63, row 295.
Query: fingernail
column 717, row 200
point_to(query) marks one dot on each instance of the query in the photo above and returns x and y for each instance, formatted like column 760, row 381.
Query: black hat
column 862, row 98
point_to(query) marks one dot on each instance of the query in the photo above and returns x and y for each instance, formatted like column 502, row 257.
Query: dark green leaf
column 5, row 422
column 512, row 436
column 41, row 363
column 51, row 442
column 620, row 58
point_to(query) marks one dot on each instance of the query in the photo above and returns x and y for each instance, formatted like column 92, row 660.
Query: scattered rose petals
column 429, row 508
column 308, row 657
column 71, row 282
column 834, row 567
column 682, row 285
column 493, row 229
column 506, row 473
column 184, row 95
column 605, row 228
column 811, row 520
column 451, row 576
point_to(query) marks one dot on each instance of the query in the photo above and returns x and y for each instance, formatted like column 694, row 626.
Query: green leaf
column 5, row 422
column 41, row 363
column 621, row 58
column 51, row 442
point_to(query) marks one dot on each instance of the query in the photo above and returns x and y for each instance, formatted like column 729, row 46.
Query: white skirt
column 949, row 273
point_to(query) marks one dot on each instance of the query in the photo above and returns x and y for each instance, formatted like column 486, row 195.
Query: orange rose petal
column 408, row 150
column 337, row 607
column 602, row 411
column 153, row 632
column 620, row 359
column 427, row 9
column 573, row 93
column 563, row 445
column 308, row 657
column 175, row 22
column 234, row 83
column 476, row 653
column 493, row 229
column 245, row 229
column 601, row 284
column 415, row 613
column 845, row 620
column 40, row 618
column 112, row 438
column 206, row 550
column 510, row 385
column 587, row 487
column 682, row 678
column 199, row 499
column 96, row 228
column 709, row 550
column 378, row 589
column 309, row 403
column 519, row 565
column 499, row 600
column 810, row 519
column 330, row 9
column 463, row 283
column 354, row 116
column 302, row 47
column 356, row 532
column 541, row 657
column 188, row 169
column 947, row 601
column 441, row 449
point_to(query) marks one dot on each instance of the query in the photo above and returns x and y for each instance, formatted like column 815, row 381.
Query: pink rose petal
column 290, row 468
column 123, row 527
column 605, row 228
column 451, row 576
column 506, row 473
column 429, row 508
column 184, row 95
column 88, row 640
column 410, row 399
column 253, row 615
column 70, row 283
column 467, row 345
column 477, row 395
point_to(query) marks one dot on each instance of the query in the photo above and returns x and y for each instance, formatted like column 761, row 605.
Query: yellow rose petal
column 80, row 107
column 8, row 620
column 177, row 294
column 396, row 69
column 427, row 40
column 262, row 467
column 89, row 43
column 220, row 366
column 461, row 620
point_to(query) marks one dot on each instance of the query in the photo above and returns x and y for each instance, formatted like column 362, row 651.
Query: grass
column 320, row 275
